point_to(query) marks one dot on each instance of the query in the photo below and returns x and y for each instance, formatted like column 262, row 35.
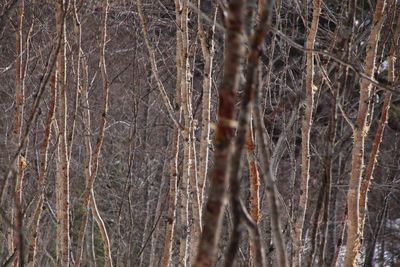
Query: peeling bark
column 360, row 131
column 380, row 128
column 305, row 136
column 254, row 187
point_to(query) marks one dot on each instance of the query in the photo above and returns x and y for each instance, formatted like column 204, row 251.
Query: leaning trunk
column 360, row 131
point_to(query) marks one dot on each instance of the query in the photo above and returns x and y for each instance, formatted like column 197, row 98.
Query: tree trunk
column 182, row 51
column 251, row 89
column 87, row 161
column 92, row 161
column 305, row 136
column 370, row 251
column 254, row 178
column 380, row 128
column 16, row 238
column 270, row 187
column 42, row 175
column 172, row 194
column 224, row 132
column 62, row 177
column 207, row 48
column 155, row 259
column 360, row 131
column 77, row 70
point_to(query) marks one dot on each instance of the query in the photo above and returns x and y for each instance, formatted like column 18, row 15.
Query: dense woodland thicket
column 199, row 133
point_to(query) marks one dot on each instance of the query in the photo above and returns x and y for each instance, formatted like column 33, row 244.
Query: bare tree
column 62, row 177
column 16, row 237
column 92, row 159
column 104, row 162
column 365, row 184
column 213, row 210
column 250, row 90
column 207, row 47
column 305, row 133
column 172, row 193
column 254, row 185
column 182, row 51
column 360, row 130
column 43, row 171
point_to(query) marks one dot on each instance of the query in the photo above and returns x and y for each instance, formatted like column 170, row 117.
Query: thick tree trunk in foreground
column 214, row 208
column 251, row 87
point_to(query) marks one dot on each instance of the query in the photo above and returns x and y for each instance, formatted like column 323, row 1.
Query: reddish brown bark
column 380, row 128
column 360, row 131
column 254, row 186
column 223, row 135
column 251, row 87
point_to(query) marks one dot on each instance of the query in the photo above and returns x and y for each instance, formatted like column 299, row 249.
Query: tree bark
column 360, row 130
column 380, row 128
column 77, row 70
column 328, row 244
column 173, row 167
column 251, row 87
column 62, row 176
column 305, row 135
column 182, row 51
column 88, row 158
column 254, row 178
column 16, row 237
column 92, row 161
column 43, row 169
column 224, row 132
column 172, row 196
column 207, row 48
